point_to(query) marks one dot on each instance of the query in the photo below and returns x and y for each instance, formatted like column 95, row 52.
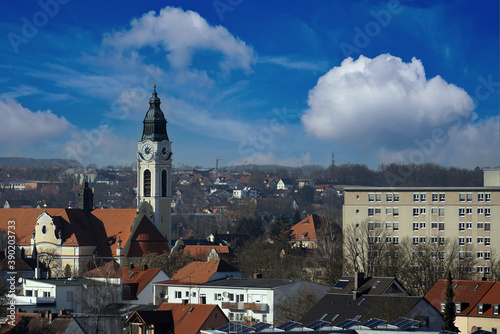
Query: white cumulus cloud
column 22, row 127
column 181, row 33
column 382, row 101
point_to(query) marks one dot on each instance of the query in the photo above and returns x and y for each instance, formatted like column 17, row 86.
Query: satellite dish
column 225, row 294
column 20, row 280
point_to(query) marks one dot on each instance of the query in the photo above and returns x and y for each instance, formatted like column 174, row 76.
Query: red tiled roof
column 191, row 318
column 129, row 276
column 204, row 250
column 469, row 292
column 200, row 272
column 305, row 230
column 491, row 297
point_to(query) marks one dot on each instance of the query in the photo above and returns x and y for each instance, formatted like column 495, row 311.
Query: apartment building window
column 415, row 226
column 468, row 211
column 395, row 240
column 441, row 226
column 415, row 212
column 480, row 197
column 434, row 240
column 357, row 211
column 479, row 225
column 487, row 197
column 487, row 241
column 370, row 240
column 434, row 211
column 461, row 212
column 388, row 197
column 423, row 211
column 479, row 271
column 377, row 225
column 378, row 240
column 487, row 256
column 468, row 240
column 479, row 255
column 395, row 212
column 396, row 197
column 468, row 254
column 461, row 226
column 487, row 212
column 486, row 269
column 468, row 225
column 487, row 226
column 357, row 197
column 423, row 197
column 370, row 226
column 388, row 211
column 395, row 226
column 378, row 197
column 415, row 240
column 422, row 225
column 371, row 197
column 461, row 197
column 388, row 225
column 441, row 212
column 178, row 294
column 479, row 240
column 416, row 197
column 435, row 197
column 388, row 240
column 377, row 211
column 461, row 255
column 370, row 212
column 480, row 211
column 495, row 309
column 461, row 241
column 441, row 256
column 434, row 225
column 422, row 240
column 441, row 197
column 469, row 197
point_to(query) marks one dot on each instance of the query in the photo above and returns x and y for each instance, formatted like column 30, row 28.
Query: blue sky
column 285, row 82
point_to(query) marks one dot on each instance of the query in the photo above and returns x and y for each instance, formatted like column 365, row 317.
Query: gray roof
column 62, row 281
column 442, row 189
column 339, row 307
column 369, row 285
column 263, row 283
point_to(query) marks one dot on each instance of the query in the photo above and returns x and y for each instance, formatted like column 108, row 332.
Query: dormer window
column 442, row 307
column 458, row 307
column 480, row 308
column 495, row 309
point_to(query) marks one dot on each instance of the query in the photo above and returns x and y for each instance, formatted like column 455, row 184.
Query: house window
column 461, row 212
column 442, row 307
column 388, row 197
column 178, row 294
column 480, row 197
column 479, row 306
column 495, row 309
column 458, row 307
column 187, row 293
column 217, row 296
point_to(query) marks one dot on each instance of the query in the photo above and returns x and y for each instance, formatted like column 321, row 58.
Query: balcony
column 256, row 307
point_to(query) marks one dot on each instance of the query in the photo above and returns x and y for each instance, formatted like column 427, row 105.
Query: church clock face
column 164, row 151
column 147, row 151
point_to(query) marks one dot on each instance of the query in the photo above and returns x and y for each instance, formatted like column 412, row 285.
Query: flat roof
column 250, row 283
column 60, row 281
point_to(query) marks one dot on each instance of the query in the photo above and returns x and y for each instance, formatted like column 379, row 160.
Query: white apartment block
column 468, row 215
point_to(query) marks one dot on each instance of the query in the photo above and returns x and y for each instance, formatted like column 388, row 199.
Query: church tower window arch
column 147, row 183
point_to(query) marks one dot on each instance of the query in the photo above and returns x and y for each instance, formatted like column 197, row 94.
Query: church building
column 69, row 238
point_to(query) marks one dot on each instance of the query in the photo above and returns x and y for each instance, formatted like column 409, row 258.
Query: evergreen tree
column 449, row 308
column 280, row 231
column 251, row 226
column 297, row 217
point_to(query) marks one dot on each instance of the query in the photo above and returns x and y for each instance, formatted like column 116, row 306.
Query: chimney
column 359, row 278
column 131, row 266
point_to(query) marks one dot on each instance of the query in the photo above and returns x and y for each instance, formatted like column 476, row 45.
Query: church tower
column 154, row 165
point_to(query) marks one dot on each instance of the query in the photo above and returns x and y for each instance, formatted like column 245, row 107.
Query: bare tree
column 51, row 260
column 329, row 250
column 294, row 307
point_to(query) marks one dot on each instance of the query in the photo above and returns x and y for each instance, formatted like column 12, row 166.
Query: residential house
column 178, row 318
column 284, row 184
column 301, row 183
column 476, row 303
column 361, row 299
column 304, row 233
column 136, row 282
